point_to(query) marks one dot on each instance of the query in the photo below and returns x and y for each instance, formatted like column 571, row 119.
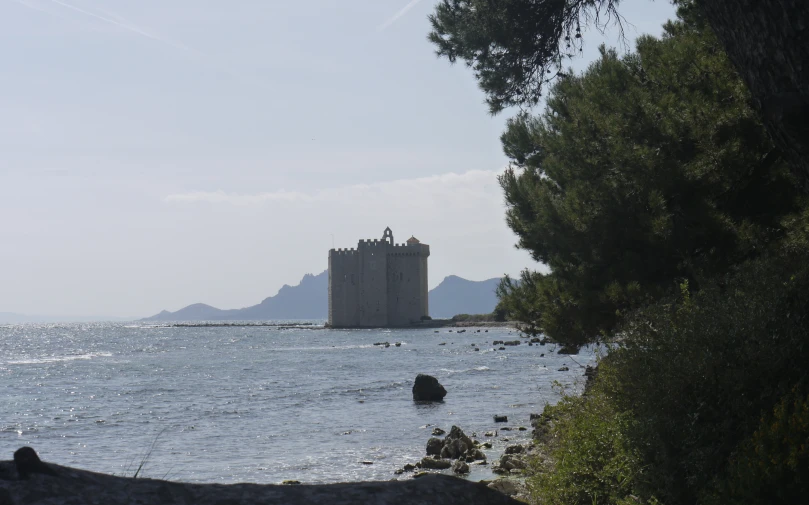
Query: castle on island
column 378, row 284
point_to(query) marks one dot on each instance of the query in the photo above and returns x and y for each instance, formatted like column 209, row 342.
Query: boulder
column 496, row 468
column 514, row 449
column 475, row 455
column 500, row 419
column 434, row 446
column 456, row 433
column 427, row 388
column 453, row 449
column 438, row 431
column 507, row 487
column 409, row 467
column 460, row 467
column 510, row 462
column 435, row 464
column 456, row 444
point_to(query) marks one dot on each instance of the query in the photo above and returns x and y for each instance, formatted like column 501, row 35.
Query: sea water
column 261, row 403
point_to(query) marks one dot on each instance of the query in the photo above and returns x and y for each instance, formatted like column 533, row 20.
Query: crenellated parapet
column 342, row 252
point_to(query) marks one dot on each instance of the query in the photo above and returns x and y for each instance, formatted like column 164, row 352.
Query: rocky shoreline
column 457, row 453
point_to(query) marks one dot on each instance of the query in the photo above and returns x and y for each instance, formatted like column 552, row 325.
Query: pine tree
column 643, row 172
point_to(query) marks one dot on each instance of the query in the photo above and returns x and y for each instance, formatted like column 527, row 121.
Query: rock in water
column 460, row 467
column 456, row 444
column 434, row 446
column 500, row 419
column 427, row 388
column 477, row 454
column 435, row 464
column 514, row 449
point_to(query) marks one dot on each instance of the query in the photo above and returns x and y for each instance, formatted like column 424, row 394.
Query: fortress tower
column 378, row 284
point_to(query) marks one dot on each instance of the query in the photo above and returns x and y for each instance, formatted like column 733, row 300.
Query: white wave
column 327, row 348
column 56, row 359
column 450, row 371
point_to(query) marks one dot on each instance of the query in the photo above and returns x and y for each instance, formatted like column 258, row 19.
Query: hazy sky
column 157, row 153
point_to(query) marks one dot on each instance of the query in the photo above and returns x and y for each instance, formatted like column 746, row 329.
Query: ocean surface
column 263, row 404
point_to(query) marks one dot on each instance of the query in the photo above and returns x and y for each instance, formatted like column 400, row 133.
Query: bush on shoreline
column 475, row 318
column 592, row 461
column 703, row 401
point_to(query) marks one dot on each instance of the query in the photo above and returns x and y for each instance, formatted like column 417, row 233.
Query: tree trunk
column 768, row 42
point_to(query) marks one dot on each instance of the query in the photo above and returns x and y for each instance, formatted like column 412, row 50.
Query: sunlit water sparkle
column 261, row 404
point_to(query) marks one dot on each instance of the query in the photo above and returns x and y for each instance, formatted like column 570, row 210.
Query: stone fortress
column 378, row 284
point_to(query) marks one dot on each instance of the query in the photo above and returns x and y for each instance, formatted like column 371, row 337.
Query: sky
column 158, row 153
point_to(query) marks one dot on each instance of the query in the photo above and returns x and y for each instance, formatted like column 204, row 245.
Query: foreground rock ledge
column 71, row 486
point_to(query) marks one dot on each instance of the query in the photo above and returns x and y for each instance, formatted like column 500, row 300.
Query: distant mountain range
column 309, row 300
column 456, row 295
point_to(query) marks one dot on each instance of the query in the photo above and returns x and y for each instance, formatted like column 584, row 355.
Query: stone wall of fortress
column 378, row 284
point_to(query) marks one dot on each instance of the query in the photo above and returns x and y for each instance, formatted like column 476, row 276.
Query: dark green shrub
column 592, row 460
column 473, row 318
column 772, row 466
column 697, row 373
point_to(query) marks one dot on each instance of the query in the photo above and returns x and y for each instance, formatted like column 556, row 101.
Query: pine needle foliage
column 644, row 171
